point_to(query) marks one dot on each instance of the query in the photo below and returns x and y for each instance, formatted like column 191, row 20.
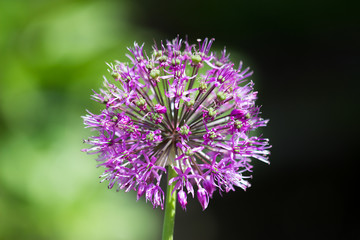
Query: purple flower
column 182, row 197
column 160, row 109
column 203, row 197
column 164, row 110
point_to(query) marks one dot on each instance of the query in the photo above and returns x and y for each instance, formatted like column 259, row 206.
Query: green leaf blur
column 52, row 54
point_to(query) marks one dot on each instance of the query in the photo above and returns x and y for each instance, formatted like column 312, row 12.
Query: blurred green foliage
column 52, row 54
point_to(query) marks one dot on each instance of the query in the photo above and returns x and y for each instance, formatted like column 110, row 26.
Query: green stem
column 170, row 206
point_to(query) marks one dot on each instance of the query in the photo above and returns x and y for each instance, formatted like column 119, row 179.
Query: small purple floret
column 182, row 197
column 203, row 197
column 160, row 109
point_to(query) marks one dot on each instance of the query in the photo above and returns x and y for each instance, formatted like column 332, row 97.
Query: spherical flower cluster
column 181, row 107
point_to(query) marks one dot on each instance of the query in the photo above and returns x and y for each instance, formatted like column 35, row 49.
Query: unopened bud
column 190, row 103
column 140, row 102
column 196, row 59
column 221, row 96
column 163, row 58
column 150, row 136
column 203, row 86
column 175, row 62
column 154, row 73
column 184, row 130
column 212, row 135
column 189, row 152
column 218, row 64
column 115, row 75
column 221, row 79
column 238, row 124
column 212, row 112
column 149, row 66
column 157, row 53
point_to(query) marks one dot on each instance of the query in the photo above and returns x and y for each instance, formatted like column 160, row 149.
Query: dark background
column 306, row 60
column 305, row 55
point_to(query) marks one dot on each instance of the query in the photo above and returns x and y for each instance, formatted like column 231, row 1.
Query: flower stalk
column 170, row 207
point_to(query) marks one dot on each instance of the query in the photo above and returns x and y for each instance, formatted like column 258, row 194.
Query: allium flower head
column 180, row 107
